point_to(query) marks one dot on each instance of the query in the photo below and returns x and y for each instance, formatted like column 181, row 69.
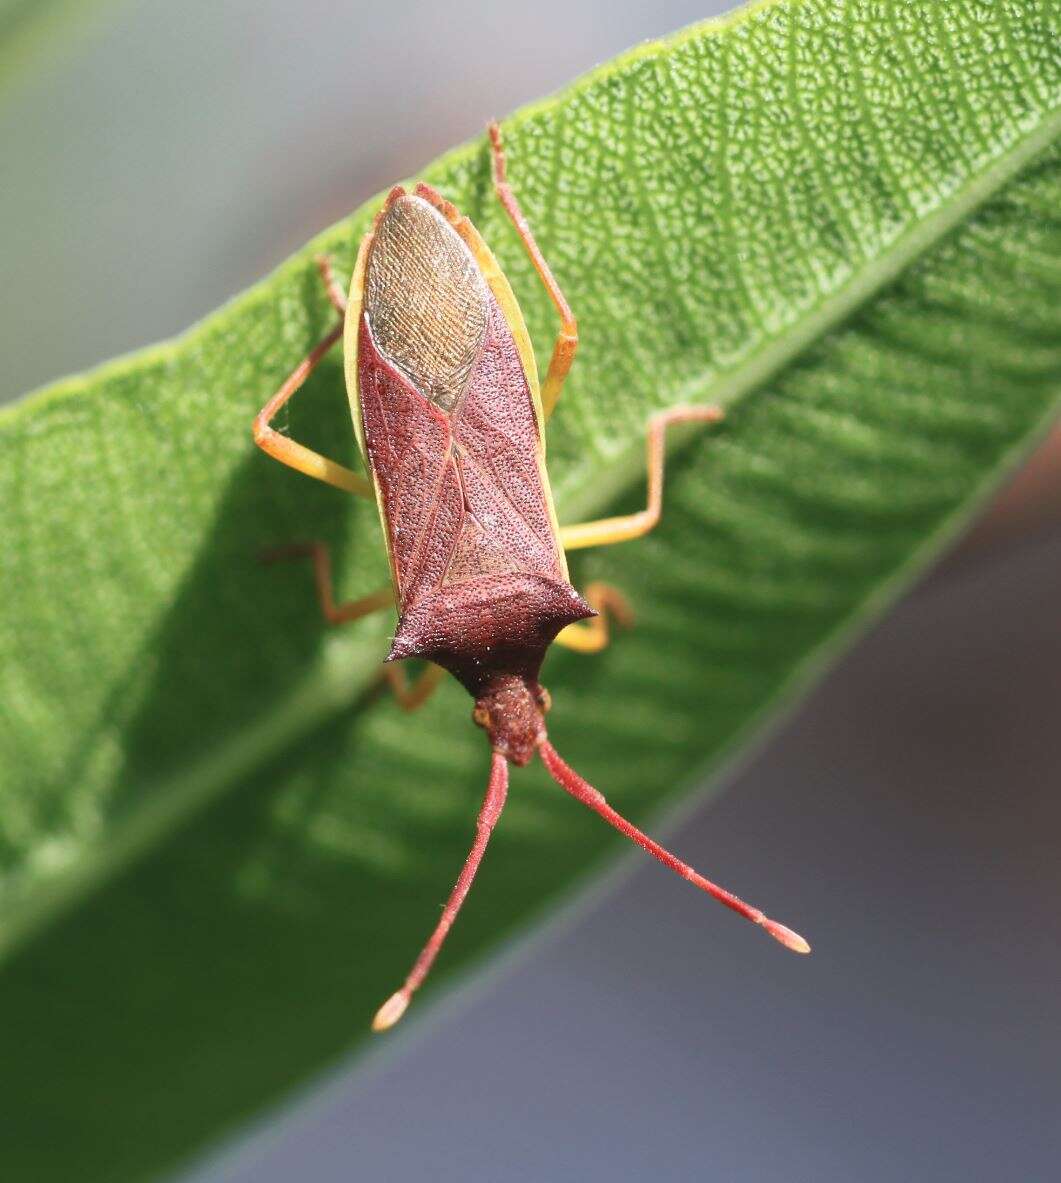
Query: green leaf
column 220, row 844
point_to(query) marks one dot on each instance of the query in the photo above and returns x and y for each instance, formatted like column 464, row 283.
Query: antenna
column 583, row 791
column 490, row 810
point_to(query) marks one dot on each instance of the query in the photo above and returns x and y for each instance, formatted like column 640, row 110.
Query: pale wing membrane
column 426, row 300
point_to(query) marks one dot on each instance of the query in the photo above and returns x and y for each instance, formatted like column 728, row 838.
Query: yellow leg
column 322, row 573
column 411, row 695
column 608, row 530
column 287, row 451
column 567, row 338
column 590, row 636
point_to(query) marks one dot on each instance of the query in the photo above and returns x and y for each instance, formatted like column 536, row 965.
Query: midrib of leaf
column 348, row 668
column 583, row 500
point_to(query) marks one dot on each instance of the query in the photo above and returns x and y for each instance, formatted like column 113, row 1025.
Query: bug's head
column 511, row 710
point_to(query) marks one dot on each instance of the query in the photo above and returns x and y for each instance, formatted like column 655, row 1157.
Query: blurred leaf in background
column 30, row 29
column 219, row 842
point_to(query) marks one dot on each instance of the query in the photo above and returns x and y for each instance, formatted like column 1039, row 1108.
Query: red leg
column 494, row 801
column 581, row 790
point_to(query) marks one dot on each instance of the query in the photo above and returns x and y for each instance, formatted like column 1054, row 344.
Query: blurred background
column 157, row 158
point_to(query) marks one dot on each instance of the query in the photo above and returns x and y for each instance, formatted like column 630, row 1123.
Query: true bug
column 450, row 421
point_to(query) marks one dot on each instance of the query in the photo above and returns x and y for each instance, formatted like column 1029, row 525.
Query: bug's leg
column 322, row 573
column 590, row 636
column 608, row 530
column 410, row 695
column 567, row 338
column 414, row 694
column 331, row 284
column 287, row 451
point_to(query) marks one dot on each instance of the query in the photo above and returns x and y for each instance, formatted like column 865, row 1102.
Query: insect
column 450, row 420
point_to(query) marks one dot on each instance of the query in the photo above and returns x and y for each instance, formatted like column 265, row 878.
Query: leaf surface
column 220, row 845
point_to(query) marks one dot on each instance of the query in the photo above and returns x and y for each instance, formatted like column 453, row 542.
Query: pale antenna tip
column 788, row 938
column 391, row 1011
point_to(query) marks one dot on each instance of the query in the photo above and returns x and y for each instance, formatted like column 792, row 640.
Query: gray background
column 170, row 154
column 654, row 1038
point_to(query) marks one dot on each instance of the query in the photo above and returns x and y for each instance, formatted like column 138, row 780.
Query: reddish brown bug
column 450, row 420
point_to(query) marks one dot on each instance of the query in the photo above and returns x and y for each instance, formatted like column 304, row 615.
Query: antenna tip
column 391, row 1011
column 788, row 938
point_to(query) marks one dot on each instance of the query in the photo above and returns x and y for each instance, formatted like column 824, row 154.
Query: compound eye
column 545, row 700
